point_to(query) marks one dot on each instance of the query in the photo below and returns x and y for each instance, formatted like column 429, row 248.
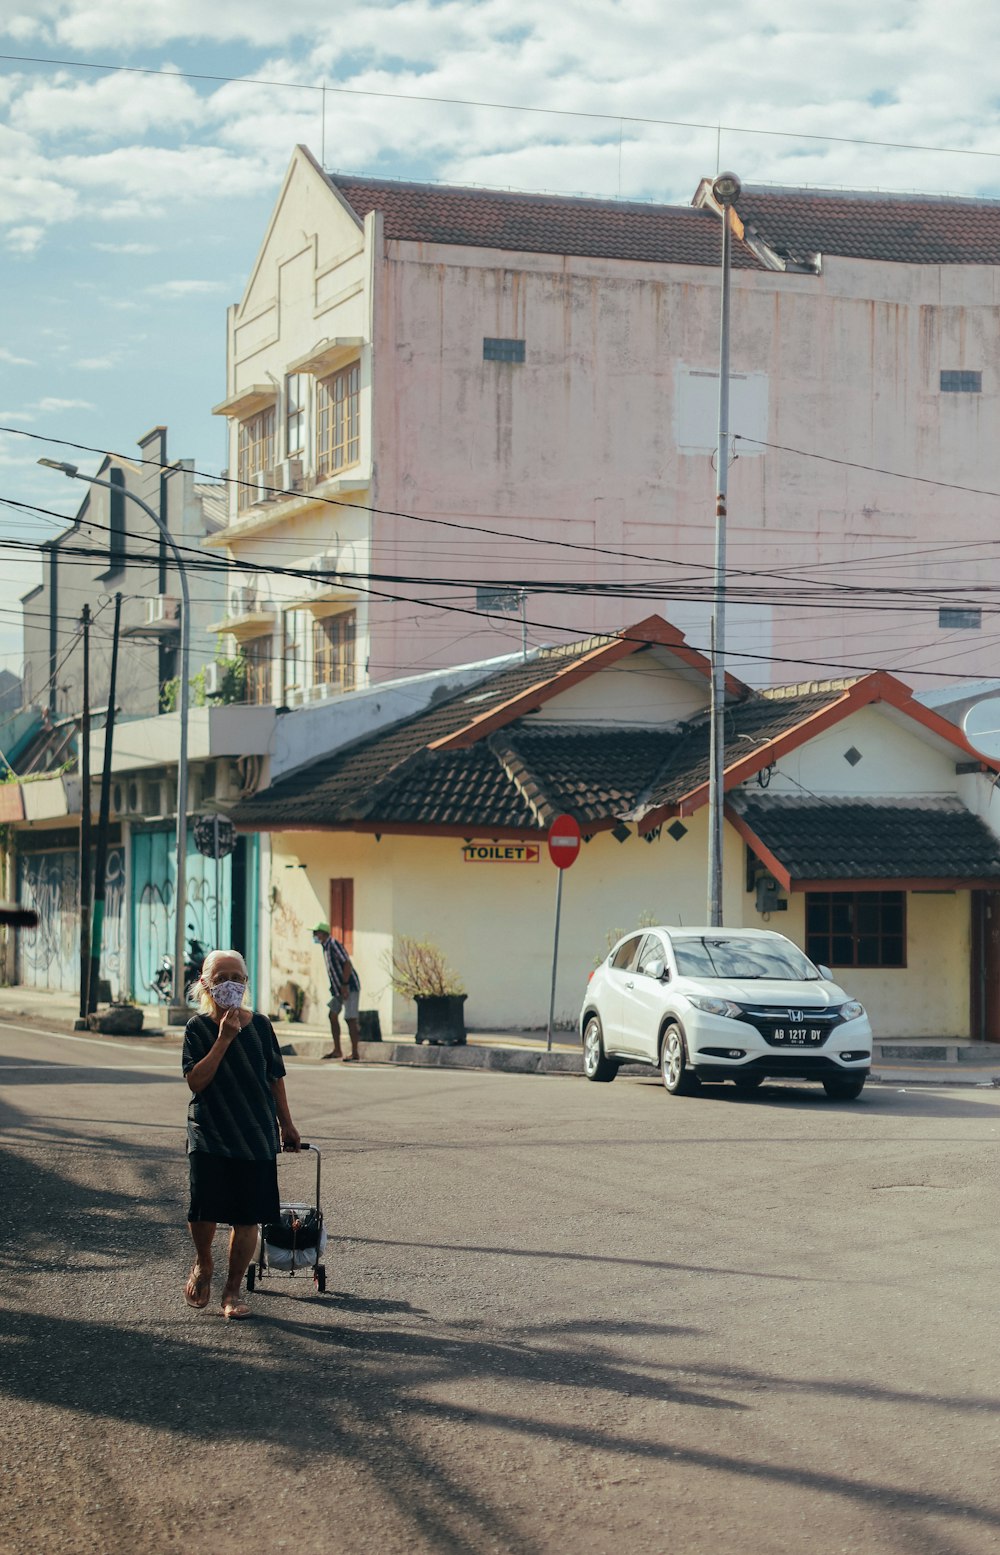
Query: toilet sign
column 564, row 841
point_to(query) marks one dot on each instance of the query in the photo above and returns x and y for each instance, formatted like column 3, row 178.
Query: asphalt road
column 564, row 1317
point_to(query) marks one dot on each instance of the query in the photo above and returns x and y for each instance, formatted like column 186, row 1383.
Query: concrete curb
column 504, row 1060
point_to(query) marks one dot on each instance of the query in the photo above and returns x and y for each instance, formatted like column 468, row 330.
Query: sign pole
column 555, row 961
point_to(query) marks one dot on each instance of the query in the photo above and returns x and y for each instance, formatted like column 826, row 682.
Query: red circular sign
column 564, row 841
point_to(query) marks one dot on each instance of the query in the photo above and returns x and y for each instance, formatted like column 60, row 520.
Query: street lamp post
column 726, row 189
column 177, row 1013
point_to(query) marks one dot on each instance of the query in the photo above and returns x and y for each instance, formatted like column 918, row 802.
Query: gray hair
column 198, row 990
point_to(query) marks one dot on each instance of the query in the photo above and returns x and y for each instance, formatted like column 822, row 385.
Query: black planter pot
column 441, row 1019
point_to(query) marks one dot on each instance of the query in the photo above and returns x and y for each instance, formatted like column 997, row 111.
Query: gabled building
column 859, row 823
column 449, row 407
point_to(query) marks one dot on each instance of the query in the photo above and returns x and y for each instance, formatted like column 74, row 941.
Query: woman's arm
column 204, row 1071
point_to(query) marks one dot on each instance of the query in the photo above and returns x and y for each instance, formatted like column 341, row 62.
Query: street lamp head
column 726, row 188
column 54, row 464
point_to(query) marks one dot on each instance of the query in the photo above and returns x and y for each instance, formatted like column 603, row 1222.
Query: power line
column 472, row 102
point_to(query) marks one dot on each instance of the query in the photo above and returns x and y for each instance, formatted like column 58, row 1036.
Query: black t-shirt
column 235, row 1114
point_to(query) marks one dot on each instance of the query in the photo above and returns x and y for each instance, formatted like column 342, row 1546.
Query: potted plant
column 418, row 971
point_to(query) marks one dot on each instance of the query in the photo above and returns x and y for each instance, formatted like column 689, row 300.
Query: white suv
column 722, row 1004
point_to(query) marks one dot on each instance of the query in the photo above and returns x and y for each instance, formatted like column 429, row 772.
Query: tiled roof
column 393, row 775
column 871, row 839
column 905, row 229
column 541, row 224
column 750, row 726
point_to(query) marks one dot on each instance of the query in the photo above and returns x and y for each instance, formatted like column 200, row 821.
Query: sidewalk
column 898, row 1061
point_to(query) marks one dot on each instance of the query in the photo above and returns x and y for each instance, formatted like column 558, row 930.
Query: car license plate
column 797, row 1036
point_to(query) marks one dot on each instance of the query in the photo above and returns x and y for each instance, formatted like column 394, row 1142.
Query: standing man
column 345, row 991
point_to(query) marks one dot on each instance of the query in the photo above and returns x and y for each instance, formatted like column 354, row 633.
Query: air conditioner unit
column 162, row 609
column 325, row 564
column 295, row 696
column 242, row 601
column 289, row 476
column 213, row 674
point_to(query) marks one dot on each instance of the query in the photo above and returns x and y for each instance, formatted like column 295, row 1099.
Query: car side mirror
column 824, row 972
column 656, row 969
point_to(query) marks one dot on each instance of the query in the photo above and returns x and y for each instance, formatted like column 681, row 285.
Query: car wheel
column 844, row 1090
column 748, row 1082
column 596, row 1063
column 677, row 1077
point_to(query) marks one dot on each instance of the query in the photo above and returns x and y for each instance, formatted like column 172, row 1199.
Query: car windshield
column 742, row 958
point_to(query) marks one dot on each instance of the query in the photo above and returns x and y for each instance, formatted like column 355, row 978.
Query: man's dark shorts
column 238, row 1193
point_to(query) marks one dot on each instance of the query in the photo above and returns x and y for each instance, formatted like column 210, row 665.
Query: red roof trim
column 877, row 687
column 654, row 631
column 891, row 883
column 753, row 842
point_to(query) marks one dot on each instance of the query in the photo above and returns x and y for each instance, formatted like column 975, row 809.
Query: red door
column 342, row 913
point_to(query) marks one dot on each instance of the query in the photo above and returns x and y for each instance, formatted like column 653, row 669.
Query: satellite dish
column 981, row 727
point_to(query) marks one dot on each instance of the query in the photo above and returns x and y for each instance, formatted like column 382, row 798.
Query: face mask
column 229, row 995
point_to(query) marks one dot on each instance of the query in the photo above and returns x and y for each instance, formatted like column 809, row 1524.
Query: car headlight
column 715, row 1006
column 851, row 1010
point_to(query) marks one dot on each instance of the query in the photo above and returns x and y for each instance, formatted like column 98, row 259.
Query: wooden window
column 856, row 928
column 342, row 913
column 333, row 651
column 337, row 405
column 257, row 655
column 295, row 415
column 255, row 453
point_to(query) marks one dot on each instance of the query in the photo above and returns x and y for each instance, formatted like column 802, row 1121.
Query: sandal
column 198, row 1283
column 232, row 1309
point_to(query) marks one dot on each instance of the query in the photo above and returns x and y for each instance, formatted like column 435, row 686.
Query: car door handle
column 629, row 985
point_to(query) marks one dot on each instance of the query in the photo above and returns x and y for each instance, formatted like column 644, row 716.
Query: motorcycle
column 162, row 985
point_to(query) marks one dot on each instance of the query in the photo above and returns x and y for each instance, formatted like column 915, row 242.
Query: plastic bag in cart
column 297, row 1239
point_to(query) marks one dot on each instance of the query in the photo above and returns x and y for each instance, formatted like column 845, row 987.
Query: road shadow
column 388, row 1384
column 44, row 1071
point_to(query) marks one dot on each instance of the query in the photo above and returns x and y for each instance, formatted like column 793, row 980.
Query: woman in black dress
column 238, row 1120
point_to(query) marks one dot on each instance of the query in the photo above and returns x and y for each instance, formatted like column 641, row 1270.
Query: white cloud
column 16, row 415
column 112, row 107
column 24, row 240
column 95, row 364
column 188, row 288
column 126, row 248
column 14, row 361
column 50, row 404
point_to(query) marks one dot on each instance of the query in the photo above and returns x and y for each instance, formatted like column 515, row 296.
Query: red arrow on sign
column 564, row 841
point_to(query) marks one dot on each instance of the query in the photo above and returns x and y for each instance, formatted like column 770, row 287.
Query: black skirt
column 239, row 1193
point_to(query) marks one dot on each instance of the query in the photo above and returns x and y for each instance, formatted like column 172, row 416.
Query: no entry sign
column 564, row 841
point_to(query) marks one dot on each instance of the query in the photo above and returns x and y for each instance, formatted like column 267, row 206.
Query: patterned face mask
column 229, row 995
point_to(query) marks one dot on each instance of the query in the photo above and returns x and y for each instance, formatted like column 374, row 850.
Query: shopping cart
column 295, row 1241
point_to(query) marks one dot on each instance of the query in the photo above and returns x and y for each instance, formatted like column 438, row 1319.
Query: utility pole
column 85, row 827
column 726, row 190
column 101, row 858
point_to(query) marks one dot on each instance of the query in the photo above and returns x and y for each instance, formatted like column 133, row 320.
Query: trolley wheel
column 320, row 1278
column 251, row 1276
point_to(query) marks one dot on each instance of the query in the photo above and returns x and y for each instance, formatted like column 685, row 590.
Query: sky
column 132, row 204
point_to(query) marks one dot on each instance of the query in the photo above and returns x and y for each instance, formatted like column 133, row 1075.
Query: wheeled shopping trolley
column 295, row 1241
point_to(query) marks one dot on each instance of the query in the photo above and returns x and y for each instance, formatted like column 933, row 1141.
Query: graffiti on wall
column 208, row 909
column 49, row 956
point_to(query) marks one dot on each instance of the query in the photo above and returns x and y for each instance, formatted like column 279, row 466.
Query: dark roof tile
column 818, row 838
column 541, row 224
